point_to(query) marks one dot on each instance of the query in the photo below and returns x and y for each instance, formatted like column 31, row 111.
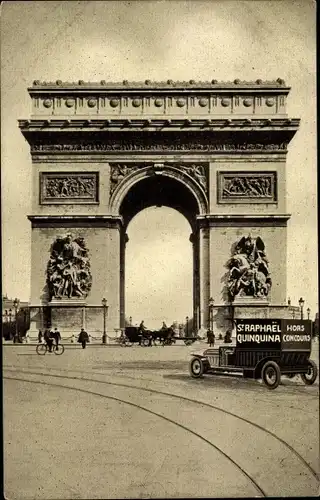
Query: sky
column 157, row 40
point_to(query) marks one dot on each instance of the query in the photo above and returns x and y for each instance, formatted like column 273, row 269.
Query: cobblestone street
column 112, row 422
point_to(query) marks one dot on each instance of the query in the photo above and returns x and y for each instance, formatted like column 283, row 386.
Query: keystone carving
column 249, row 269
column 68, row 270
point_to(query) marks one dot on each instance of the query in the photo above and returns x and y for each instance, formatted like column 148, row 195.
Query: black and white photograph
column 160, row 326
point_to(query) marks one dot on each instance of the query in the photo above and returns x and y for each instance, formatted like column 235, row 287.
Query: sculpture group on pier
column 249, row 273
column 68, row 270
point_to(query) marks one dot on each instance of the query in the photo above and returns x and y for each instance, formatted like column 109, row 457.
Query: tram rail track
column 176, row 397
column 169, row 420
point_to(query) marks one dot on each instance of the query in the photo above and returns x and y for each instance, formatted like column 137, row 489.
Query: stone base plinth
column 67, row 302
column 250, row 301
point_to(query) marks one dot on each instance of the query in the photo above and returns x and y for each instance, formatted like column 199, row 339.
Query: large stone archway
column 162, row 185
column 102, row 152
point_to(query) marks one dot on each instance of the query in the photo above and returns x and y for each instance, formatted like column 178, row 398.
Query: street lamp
column 301, row 304
column 105, row 309
column 308, row 312
column 187, row 325
column 16, row 305
column 211, row 306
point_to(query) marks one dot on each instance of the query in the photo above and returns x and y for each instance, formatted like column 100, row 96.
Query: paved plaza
column 120, row 422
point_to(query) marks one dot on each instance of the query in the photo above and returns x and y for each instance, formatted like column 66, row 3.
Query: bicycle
column 42, row 349
column 124, row 341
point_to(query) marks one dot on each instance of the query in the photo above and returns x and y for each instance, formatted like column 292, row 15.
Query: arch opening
column 170, row 196
column 159, row 191
column 159, row 268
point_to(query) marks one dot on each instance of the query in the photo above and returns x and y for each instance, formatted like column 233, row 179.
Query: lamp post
column 16, row 306
column 308, row 312
column 211, row 306
column 187, row 325
column 105, row 308
column 301, row 304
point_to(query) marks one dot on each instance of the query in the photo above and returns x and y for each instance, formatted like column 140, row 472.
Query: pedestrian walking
column 40, row 337
column 211, row 337
column 57, row 337
column 227, row 337
column 83, row 338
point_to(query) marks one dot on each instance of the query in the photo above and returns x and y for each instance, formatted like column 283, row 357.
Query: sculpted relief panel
column 68, row 270
column 245, row 187
column 65, row 188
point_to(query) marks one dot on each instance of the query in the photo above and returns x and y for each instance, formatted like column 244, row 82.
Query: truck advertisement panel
column 258, row 334
column 296, row 334
column 266, row 334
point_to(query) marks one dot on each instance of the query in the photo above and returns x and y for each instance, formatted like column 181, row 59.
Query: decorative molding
column 69, row 188
column 279, row 82
column 244, row 220
column 198, row 171
column 159, row 144
column 76, row 221
column 247, row 187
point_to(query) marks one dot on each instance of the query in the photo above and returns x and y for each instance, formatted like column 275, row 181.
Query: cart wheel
column 145, row 342
column 271, row 374
column 196, row 367
column 310, row 377
column 128, row 343
column 157, row 341
column 41, row 349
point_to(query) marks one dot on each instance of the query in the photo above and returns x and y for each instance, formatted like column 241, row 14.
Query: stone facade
column 220, row 146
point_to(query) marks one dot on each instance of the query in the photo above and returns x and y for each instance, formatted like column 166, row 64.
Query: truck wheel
column 271, row 375
column 310, row 377
column 196, row 367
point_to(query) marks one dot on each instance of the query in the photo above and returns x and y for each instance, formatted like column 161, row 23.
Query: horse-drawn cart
column 264, row 349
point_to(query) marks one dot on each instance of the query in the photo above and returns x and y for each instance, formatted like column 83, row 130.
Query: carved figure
column 68, row 270
column 249, row 269
column 198, row 172
column 118, row 173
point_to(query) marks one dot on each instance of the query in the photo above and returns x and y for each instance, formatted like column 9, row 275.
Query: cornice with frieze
column 134, row 103
column 158, row 124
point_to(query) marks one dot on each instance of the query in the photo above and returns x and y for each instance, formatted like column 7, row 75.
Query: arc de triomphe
column 102, row 152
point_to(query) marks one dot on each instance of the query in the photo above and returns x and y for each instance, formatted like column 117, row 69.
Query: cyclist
column 48, row 337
